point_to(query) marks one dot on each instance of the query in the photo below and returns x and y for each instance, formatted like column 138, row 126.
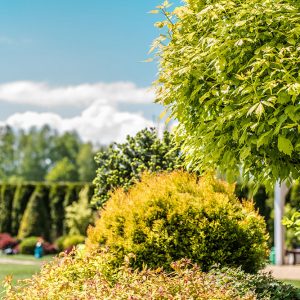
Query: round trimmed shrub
column 72, row 240
column 59, row 242
column 28, row 244
column 176, row 215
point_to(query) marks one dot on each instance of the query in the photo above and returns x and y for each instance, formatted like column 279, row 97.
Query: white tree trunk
column 280, row 193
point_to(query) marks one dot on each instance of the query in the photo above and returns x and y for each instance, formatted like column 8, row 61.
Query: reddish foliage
column 69, row 249
column 49, row 248
column 7, row 241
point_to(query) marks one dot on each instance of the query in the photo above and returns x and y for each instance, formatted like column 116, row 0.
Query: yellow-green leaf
column 285, row 145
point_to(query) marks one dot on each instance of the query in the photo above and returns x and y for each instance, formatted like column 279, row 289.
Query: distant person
column 38, row 251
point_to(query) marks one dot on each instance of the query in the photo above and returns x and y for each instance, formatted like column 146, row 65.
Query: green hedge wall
column 37, row 209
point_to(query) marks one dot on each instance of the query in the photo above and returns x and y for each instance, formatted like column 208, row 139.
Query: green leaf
column 285, row 145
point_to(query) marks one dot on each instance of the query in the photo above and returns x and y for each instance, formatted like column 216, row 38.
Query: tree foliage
column 44, row 153
column 229, row 73
column 122, row 164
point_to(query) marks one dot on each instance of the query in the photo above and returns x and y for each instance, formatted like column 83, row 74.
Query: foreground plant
column 84, row 275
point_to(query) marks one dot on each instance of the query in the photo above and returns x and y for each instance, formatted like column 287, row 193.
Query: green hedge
column 30, row 208
column 6, row 199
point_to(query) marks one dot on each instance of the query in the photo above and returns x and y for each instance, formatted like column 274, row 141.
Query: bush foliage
column 79, row 214
column 28, row 244
column 86, row 275
column 175, row 215
column 122, row 164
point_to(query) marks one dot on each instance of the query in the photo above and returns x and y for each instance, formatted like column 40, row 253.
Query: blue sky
column 63, row 43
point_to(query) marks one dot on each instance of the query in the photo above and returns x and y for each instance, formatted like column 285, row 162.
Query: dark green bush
column 176, row 215
column 28, row 244
column 262, row 284
column 122, row 164
column 36, row 218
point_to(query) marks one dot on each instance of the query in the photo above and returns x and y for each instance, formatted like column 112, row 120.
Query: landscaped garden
column 182, row 215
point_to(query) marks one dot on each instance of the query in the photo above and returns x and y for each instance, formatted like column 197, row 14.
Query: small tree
column 79, row 214
column 229, row 73
column 122, row 164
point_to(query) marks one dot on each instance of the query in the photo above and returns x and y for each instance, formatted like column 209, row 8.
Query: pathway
column 291, row 272
column 18, row 262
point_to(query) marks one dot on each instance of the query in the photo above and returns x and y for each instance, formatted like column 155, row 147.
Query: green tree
column 7, row 152
column 34, row 150
column 229, row 73
column 86, row 163
column 122, row 164
column 63, row 170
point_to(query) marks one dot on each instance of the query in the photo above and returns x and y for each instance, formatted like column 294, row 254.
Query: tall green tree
column 7, row 152
column 229, row 73
column 32, row 155
column 86, row 163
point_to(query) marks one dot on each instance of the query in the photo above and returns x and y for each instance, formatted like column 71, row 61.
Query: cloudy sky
column 77, row 64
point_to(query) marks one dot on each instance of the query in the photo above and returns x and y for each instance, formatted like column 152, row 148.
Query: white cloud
column 99, row 123
column 82, row 95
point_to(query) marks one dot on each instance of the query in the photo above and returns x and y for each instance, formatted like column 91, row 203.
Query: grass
column 19, row 271
column 26, row 257
column 295, row 283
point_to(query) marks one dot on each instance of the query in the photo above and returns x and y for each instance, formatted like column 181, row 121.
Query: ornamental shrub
column 59, row 242
column 28, row 244
column 176, row 215
column 86, row 275
column 7, row 241
column 79, row 214
column 72, row 240
column 122, row 164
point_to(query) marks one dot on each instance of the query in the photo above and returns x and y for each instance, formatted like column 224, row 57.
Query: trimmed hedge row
column 37, row 209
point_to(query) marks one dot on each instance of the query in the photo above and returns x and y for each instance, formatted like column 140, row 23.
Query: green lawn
column 295, row 283
column 19, row 271
column 26, row 257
